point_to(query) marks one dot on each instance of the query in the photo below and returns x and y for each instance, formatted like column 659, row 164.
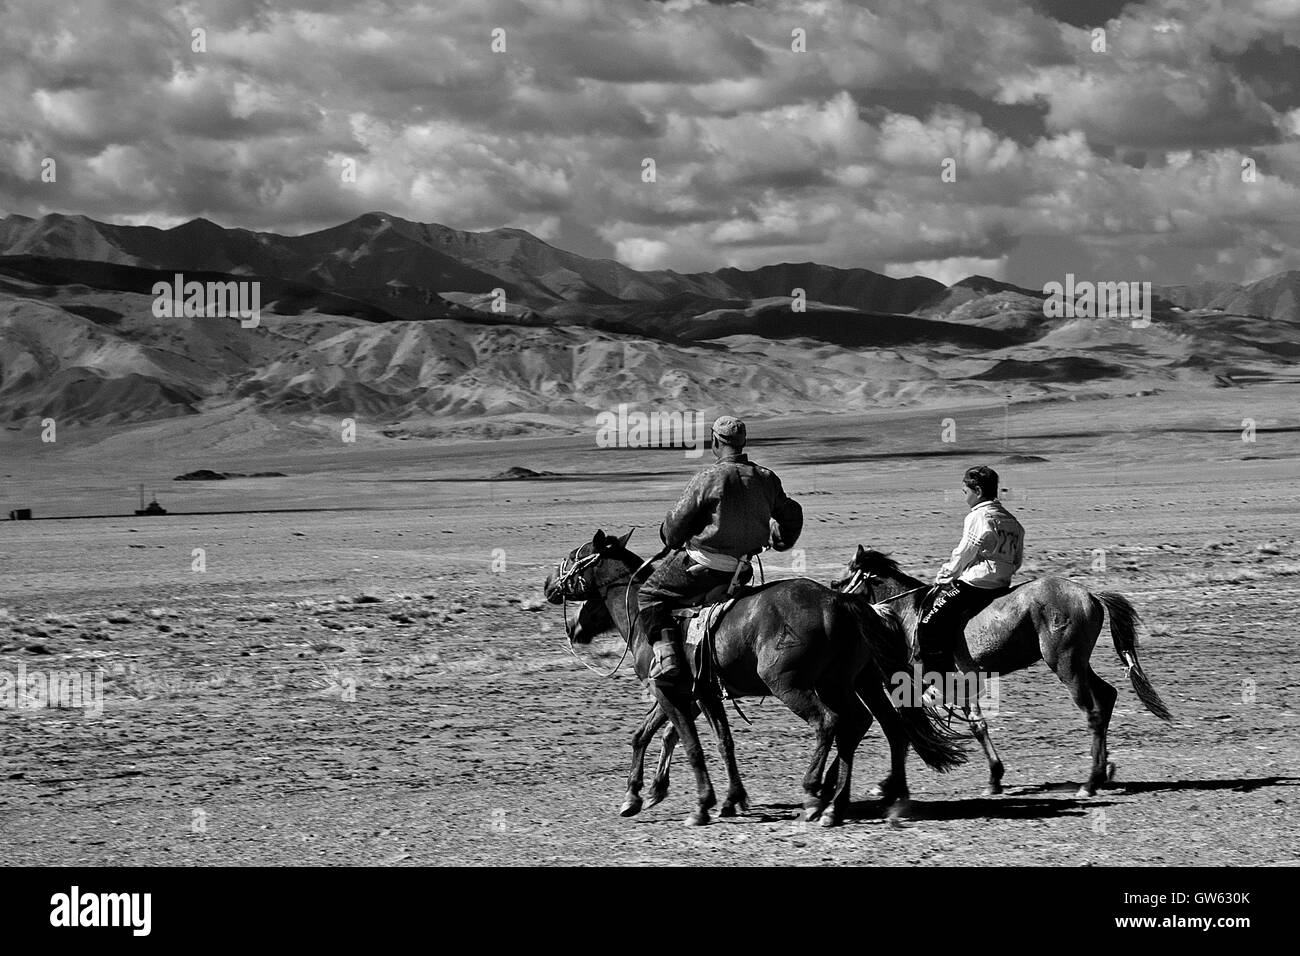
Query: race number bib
column 1003, row 543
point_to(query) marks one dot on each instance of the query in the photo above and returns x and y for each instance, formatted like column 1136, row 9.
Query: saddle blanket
column 703, row 620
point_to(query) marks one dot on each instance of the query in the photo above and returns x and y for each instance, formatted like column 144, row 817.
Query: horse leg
column 980, row 728
column 893, row 789
column 678, row 705
column 659, row 786
column 1103, row 771
column 808, row 705
column 640, row 742
column 716, row 713
column 852, row 722
column 1096, row 699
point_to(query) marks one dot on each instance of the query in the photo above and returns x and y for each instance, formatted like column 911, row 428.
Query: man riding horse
column 991, row 550
column 729, row 511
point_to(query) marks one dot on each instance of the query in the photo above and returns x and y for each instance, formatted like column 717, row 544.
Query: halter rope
column 562, row 583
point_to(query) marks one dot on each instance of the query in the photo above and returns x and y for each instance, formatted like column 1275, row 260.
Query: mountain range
column 424, row 329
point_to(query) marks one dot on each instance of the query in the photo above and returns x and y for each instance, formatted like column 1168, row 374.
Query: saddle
column 927, row 602
column 698, row 623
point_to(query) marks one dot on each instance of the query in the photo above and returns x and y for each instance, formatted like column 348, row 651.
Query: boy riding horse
column 991, row 550
column 730, row 510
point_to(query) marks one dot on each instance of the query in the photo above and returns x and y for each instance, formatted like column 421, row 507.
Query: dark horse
column 1050, row 619
column 825, row 655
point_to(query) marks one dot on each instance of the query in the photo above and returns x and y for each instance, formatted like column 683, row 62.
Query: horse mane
column 881, row 565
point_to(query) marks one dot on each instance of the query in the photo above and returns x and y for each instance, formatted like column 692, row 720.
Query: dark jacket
column 733, row 507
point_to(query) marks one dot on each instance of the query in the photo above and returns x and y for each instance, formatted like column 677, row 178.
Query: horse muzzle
column 552, row 591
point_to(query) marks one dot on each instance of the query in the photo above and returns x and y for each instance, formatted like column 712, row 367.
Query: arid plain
column 377, row 681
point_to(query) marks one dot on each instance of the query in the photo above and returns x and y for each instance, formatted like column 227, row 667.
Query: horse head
column 578, row 575
column 873, row 574
column 592, row 621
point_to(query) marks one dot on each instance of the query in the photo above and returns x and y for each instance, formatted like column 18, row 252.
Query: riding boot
column 936, row 658
column 664, row 669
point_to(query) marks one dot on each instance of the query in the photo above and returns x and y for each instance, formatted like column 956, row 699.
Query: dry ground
column 366, row 687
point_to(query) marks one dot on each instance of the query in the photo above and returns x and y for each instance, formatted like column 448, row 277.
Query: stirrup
column 664, row 667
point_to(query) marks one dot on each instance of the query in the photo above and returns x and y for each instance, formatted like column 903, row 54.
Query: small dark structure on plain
column 21, row 514
column 153, row 509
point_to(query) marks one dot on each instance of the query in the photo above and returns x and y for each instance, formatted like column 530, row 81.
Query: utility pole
column 1006, row 423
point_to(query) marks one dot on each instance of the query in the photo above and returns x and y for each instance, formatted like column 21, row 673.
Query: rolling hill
column 393, row 320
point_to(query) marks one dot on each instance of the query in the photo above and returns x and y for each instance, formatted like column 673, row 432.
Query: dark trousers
column 675, row 583
column 947, row 609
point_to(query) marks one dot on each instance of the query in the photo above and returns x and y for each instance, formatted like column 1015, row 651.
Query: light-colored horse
column 1050, row 619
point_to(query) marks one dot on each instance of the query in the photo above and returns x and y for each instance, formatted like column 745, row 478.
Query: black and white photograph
column 651, row 433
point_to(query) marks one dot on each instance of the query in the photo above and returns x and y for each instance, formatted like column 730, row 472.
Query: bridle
column 855, row 581
column 569, row 570
column 859, row 577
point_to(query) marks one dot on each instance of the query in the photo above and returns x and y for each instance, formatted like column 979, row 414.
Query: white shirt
column 991, row 550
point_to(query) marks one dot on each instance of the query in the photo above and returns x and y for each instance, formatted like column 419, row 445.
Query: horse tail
column 1123, row 631
column 882, row 630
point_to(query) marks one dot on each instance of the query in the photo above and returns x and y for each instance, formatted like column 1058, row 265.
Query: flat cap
column 730, row 429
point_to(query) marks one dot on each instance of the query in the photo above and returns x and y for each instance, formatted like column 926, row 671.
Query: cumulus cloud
column 1065, row 158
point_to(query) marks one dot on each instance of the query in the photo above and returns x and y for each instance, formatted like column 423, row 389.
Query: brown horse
column 1049, row 619
column 824, row 655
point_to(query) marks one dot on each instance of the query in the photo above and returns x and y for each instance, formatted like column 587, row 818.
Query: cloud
column 763, row 153
column 640, row 253
column 951, row 270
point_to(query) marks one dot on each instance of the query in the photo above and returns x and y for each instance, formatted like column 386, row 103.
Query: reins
column 581, row 565
column 902, row 594
column 952, row 714
column 569, row 635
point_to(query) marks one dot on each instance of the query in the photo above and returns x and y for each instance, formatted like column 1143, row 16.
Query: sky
column 1125, row 164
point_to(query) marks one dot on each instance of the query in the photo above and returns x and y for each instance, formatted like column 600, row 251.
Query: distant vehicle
column 21, row 514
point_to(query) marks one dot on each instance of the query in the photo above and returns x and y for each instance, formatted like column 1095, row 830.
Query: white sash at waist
column 712, row 559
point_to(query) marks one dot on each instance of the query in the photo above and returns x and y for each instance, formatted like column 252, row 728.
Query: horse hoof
column 899, row 810
column 656, row 796
column 728, row 810
column 1110, row 772
column 631, row 807
column 699, row 818
column 830, row 818
column 1085, row 791
column 885, row 790
column 993, row 789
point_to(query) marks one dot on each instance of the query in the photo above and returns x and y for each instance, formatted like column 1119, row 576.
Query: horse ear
column 862, row 552
column 622, row 542
column 598, row 540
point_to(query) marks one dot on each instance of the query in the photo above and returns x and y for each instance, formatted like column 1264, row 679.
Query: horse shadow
column 1239, row 784
column 967, row 808
column 1017, row 803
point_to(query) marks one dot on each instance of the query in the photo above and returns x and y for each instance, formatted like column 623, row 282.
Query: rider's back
column 728, row 507
column 1001, row 544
